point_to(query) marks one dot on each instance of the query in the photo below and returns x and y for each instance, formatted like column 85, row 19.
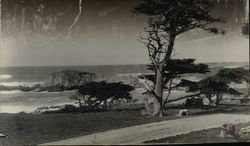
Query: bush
column 194, row 102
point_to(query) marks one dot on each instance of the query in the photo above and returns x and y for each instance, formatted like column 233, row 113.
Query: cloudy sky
column 106, row 34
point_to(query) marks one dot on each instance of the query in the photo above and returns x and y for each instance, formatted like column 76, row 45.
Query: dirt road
column 140, row 133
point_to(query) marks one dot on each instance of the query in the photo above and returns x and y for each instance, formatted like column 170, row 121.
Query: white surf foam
column 233, row 66
column 44, row 92
column 27, row 108
column 5, row 77
column 16, row 84
column 10, row 92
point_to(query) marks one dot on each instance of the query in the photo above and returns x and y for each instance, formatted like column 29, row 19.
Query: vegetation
column 217, row 85
column 209, row 87
column 237, row 75
column 33, row 129
column 168, row 19
column 175, row 69
column 96, row 94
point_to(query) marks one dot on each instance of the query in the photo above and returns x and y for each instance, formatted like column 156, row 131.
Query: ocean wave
column 13, row 108
column 5, row 77
column 43, row 92
column 66, row 91
column 17, row 84
column 233, row 66
column 11, row 92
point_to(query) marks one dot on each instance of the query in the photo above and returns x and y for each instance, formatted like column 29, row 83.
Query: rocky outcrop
column 59, row 81
column 6, row 88
column 69, row 79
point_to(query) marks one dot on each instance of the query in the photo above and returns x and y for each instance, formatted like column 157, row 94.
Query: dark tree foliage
column 178, row 16
column 217, row 85
column 213, row 85
column 95, row 93
column 175, row 69
column 190, row 85
column 166, row 20
column 236, row 75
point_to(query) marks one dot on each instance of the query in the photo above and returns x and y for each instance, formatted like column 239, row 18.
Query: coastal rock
column 57, row 82
column 67, row 80
column 6, row 88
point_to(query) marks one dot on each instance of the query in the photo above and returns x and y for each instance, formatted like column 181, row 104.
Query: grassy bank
column 205, row 136
column 36, row 129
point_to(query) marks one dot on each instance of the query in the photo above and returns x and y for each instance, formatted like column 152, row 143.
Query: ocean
column 38, row 74
column 17, row 101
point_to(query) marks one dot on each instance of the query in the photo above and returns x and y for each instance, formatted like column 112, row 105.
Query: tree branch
column 184, row 97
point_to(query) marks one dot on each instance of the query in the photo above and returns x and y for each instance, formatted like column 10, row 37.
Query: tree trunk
column 158, row 91
column 112, row 104
column 90, row 105
column 218, row 99
column 184, row 97
column 248, row 85
column 209, row 97
column 80, row 103
column 105, row 104
column 166, row 59
column 169, row 92
column 170, row 48
column 148, row 110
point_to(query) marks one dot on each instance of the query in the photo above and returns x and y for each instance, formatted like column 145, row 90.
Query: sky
column 107, row 33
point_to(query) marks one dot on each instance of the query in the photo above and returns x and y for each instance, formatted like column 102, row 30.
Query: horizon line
column 114, row 64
